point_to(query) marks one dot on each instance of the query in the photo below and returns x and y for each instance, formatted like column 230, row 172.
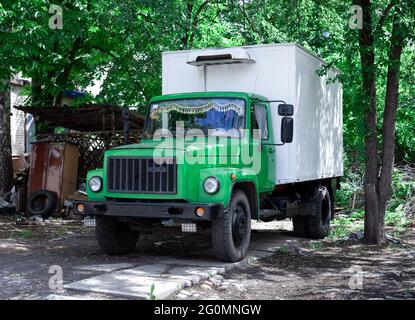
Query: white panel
column 318, row 122
column 280, row 72
column 268, row 76
column 219, row 56
column 180, row 77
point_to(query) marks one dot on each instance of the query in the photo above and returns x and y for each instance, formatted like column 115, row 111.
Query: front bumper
column 149, row 210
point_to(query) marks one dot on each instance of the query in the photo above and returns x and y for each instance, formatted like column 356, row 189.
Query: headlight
column 95, row 184
column 211, row 185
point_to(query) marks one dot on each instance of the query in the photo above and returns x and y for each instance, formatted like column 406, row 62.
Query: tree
column 6, row 176
column 380, row 158
column 122, row 41
column 6, row 166
column 322, row 27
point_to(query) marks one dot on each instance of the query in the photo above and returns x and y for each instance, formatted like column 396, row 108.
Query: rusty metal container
column 54, row 167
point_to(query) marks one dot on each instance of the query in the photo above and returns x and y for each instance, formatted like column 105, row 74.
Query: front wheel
column 115, row 237
column 231, row 233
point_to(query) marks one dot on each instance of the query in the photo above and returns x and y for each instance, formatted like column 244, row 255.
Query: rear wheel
column 318, row 225
column 300, row 226
column 115, row 237
column 232, row 232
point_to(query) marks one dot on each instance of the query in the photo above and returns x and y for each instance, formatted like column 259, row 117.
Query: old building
column 21, row 125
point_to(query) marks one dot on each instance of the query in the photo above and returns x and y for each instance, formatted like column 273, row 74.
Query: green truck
column 211, row 159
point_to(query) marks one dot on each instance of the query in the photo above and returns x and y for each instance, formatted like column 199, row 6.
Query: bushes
column 350, row 195
column 403, row 191
column 343, row 225
column 346, row 224
column 402, row 199
column 397, row 219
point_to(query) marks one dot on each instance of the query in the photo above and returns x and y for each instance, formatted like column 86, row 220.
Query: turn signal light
column 80, row 207
column 200, row 212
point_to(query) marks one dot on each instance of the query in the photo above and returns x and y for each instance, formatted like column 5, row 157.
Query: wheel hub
column 239, row 225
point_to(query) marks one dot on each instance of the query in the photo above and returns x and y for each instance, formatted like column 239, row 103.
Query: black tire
column 41, row 203
column 231, row 233
column 300, row 226
column 115, row 237
column 318, row 225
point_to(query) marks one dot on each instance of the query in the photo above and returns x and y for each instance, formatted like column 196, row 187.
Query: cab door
column 261, row 143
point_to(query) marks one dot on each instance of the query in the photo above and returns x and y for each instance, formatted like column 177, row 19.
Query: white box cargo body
column 278, row 72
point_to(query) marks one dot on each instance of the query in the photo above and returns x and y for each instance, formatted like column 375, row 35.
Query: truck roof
column 210, row 94
column 294, row 44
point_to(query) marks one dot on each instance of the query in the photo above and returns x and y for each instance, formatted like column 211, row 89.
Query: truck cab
column 208, row 161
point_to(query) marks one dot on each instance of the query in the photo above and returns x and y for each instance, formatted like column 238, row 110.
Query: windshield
column 211, row 116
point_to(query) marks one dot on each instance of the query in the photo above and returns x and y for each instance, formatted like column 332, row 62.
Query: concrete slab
column 264, row 246
column 67, row 297
column 122, row 283
column 193, row 275
column 137, row 282
column 200, row 263
column 169, row 275
column 109, row 267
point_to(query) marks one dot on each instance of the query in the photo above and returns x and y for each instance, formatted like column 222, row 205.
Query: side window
column 261, row 122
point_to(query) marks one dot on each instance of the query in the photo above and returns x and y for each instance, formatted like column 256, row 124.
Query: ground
column 329, row 269
column 320, row 271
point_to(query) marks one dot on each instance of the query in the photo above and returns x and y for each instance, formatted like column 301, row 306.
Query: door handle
column 271, row 150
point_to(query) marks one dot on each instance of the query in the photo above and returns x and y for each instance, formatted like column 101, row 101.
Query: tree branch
column 385, row 12
column 196, row 21
column 62, row 79
column 93, row 46
column 251, row 24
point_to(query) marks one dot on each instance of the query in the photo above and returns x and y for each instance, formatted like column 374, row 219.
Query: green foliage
column 350, row 196
column 351, row 186
column 397, row 219
column 316, row 245
column 343, row 225
column 152, row 296
column 283, row 249
column 358, row 215
column 120, row 42
column 25, row 234
column 403, row 189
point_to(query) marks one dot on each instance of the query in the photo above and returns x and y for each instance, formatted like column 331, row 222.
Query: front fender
column 226, row 183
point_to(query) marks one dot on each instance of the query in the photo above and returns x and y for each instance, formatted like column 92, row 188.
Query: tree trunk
column 378, row 182
column 62, row 79
column 373, row 230
column 389, row 116
column 184, row 41
column 6, row 165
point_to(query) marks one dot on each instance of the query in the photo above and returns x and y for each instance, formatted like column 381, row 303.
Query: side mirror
column 285, row 110
column 287, row 130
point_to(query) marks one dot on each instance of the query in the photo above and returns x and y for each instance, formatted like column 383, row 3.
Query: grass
column 152, row 296
column 283, row 249
column 343, row 225
column 316, row 245
column 397, row 219
column 23, row 234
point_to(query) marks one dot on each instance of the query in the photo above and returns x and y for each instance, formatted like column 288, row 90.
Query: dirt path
column 316, row 270
column 323, row 270
column 28, row 250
